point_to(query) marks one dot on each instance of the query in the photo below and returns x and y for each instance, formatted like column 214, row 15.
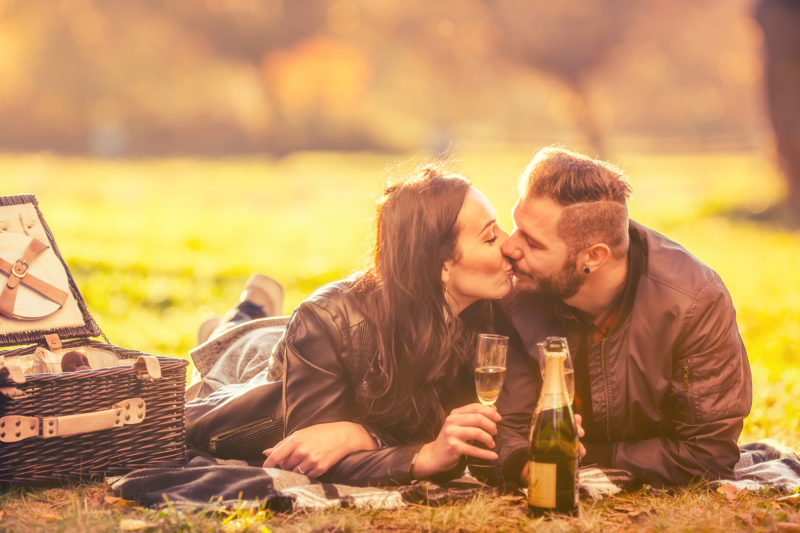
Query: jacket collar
column 622, row 305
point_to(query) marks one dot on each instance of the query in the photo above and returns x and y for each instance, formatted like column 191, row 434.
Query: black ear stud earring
column 586, row 269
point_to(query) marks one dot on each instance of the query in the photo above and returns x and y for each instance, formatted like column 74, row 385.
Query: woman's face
column 478, row 269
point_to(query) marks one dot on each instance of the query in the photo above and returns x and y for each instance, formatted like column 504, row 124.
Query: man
column 662, row 380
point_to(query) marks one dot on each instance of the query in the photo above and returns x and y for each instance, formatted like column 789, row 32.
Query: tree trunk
column 587, row 119
column 780, row 20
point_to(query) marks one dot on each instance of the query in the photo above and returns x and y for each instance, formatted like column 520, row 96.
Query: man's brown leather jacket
column 669, row 386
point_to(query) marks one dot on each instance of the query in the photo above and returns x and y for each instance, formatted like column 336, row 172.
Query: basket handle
column 148, row 367
column 14, row 428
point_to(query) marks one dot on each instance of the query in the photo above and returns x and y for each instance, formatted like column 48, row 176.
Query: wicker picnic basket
column 118, row 410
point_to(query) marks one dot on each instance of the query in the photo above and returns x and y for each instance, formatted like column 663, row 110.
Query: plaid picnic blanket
column 765, row 464
column 214, row 483
column 220, row 483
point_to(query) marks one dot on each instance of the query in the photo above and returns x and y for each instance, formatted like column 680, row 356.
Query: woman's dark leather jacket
column 327, row 359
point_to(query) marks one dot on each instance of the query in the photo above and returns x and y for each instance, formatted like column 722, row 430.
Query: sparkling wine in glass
column 569, row 371
column 490, row 367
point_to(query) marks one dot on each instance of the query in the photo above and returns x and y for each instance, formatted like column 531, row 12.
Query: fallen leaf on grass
column 3, row 514
column 235, row 526
column 511, row 498
column 48, row 516
column 641, row 515
column 132, row 524
column 730, row 491
column 118, row 502
column 634, row 512
column 788, row 527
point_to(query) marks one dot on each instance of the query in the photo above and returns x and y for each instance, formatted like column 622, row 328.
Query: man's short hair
column 594, row 195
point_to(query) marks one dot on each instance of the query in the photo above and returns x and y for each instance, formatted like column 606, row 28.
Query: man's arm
column 711, row 393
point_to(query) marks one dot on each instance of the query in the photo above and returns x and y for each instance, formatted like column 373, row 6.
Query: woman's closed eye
column 491, row 239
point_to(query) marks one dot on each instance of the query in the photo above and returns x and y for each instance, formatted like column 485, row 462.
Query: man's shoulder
column 671, row 267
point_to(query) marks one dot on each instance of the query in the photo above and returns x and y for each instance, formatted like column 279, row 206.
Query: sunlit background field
column 156, row 246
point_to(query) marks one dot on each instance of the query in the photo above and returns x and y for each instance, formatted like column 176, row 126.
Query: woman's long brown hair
column 419, row 341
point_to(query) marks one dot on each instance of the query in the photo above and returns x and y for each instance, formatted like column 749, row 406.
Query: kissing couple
column 372, row 376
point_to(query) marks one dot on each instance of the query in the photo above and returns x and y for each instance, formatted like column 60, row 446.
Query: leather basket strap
column 15, row 428
column 148, row 368
column 18, row 273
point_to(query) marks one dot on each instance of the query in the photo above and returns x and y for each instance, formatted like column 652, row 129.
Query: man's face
column 540, row 257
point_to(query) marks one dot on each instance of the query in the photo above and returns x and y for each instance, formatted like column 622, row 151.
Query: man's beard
column 563, row 284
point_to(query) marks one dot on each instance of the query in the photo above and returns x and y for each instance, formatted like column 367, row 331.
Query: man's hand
column 473, row 422
column 581, row 434
column 313, row 450
column 523, row 477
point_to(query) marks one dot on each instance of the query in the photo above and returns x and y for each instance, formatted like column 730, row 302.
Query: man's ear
column 594, row 257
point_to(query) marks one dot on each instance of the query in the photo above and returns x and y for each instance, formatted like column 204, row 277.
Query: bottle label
column 542, row 485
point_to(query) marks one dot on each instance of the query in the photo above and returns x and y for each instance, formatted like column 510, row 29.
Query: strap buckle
column 20, row 268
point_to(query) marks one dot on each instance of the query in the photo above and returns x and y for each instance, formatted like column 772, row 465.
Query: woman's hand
column 473, row 422
column 314, row 449
column 581, row 449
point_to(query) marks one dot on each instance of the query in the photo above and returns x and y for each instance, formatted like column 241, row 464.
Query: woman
column 377, row 369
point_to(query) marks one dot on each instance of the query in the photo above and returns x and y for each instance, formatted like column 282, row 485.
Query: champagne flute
column 490, row 367
column 569, row 370
column 490, row 372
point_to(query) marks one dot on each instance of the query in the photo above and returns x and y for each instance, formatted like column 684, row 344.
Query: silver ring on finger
column 300, row 470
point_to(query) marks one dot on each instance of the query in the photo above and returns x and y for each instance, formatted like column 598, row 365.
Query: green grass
column 156, row 246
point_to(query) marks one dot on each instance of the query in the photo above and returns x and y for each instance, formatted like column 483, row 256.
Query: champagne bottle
column 553, row 450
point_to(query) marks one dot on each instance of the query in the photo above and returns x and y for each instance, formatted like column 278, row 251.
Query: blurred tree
column 568, row 40
column 434, row 73
column 144, row 77
column 227, row 76
column 250, row 32
column 780, row 20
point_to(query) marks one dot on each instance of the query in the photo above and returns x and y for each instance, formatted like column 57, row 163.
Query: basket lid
column 37, row 293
